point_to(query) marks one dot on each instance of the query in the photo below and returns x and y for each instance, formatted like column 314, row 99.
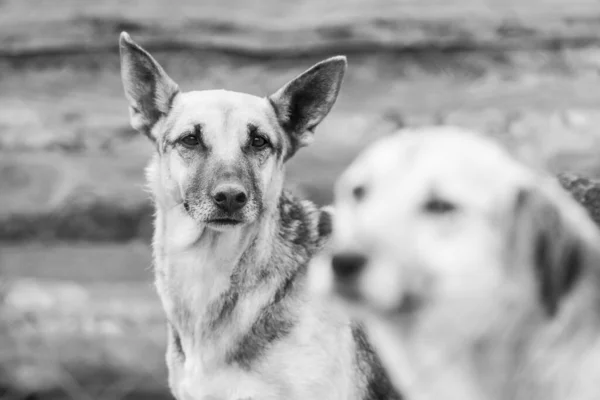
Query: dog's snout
column 348, row 265
column 230, row 197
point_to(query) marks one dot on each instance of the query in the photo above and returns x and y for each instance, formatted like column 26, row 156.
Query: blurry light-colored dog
column 477, row 275
column 231, row 248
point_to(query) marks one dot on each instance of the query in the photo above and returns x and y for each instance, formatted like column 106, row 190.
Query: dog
column 231, row 247
column 476, row 274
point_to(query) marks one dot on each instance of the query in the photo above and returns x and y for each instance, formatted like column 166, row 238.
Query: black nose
column 229, row 197
column 348, row 265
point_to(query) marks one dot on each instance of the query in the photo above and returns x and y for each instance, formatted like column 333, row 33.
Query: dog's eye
column 191, row 140
column 436, row 205
column 359, row 192
column 258, row 142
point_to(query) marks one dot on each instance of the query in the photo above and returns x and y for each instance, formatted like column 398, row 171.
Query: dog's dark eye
column 359, row 192
column 258, row 142
column 436, row 205
column 190, row 140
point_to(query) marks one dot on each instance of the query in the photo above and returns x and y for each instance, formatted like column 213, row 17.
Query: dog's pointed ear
column 149, row 90
column 556, row 238
column 302, row 103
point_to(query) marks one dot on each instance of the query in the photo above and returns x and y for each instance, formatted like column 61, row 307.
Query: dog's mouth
column 224, row 222
column 409, row 305
column 348, row 291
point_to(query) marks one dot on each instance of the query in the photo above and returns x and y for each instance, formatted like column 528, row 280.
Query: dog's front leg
column 175, row 359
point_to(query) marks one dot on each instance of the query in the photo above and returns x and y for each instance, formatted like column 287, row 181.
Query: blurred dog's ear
column 547, row 238
column 148, row 88
column 325, row 224
column 302, row 103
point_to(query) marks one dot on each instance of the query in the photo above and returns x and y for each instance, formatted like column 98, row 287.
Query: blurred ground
column 79, row 317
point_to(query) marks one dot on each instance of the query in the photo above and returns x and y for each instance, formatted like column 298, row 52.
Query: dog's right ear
column 302, row 103
column 551, row 236
column 149, row 90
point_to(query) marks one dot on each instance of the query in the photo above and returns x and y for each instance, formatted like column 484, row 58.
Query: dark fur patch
column 254, row 184
column 294, row 223
column 558, row 250
column 274, row 323
column 543, row 265
column 586, row 191
column 574, row 268
column 177, row 342
column 379, row 386
column 224, row 306
column 556, row 277
column 324, row 226
column 281, row 147
column 199, row 132
column 300, row 111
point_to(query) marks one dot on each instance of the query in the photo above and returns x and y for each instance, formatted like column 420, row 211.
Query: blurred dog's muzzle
column 347, row 268
column 347, row 290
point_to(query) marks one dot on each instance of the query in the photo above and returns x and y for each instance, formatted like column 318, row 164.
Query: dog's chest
column 321, row 370
column 191, row 281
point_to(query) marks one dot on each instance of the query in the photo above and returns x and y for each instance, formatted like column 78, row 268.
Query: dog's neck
column 215, row 285
column 525, row 354
column 562, row 359
column 546, row 357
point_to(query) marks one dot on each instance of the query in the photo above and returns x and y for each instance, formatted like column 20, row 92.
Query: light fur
column 481, row 274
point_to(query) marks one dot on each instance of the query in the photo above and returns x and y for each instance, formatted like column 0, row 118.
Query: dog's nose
column 229, row 197
column 348, row 265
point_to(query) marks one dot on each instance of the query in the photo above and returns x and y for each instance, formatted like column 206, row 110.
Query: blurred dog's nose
column 348, row 265
column 230, row 197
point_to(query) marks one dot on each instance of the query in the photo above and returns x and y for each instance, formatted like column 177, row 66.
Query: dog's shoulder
column 303, row 223
column 378, row 385
column 585, row 190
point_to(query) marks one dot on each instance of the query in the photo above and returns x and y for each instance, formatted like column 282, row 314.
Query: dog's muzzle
column 229, row 197
column 348, row 266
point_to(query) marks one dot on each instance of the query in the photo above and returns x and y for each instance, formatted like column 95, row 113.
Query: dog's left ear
column 553, row 237
column 302, row 103
column 148, row 88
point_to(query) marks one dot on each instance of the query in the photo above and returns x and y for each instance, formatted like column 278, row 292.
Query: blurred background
column 79, row 318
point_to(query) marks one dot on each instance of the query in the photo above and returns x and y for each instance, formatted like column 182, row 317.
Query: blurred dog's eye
column 438, row 206
column 258, row 142
column 190, row 140
column 358, row 192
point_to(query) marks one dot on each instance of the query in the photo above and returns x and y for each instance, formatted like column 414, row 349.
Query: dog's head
column 419, row 216
column 220, row 154
column 446, row 240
